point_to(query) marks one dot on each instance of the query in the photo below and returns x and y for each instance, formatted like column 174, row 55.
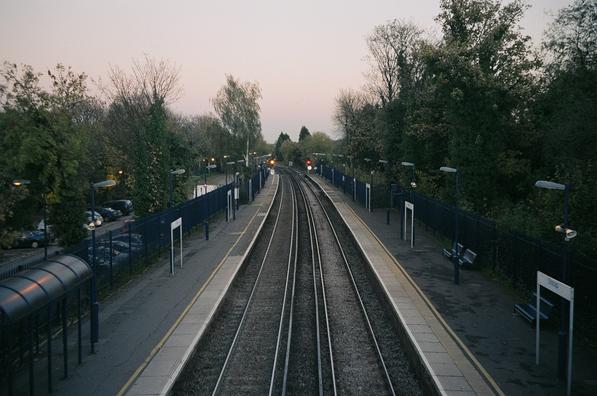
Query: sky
column 300, row 52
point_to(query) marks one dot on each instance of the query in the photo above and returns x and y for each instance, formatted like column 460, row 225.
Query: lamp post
column 568, row 235
column 171, row 174
column 22, row 182
column 447, row 169
column 93, row 297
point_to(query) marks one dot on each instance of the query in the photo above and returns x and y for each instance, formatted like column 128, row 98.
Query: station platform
column 144, row 325
column 479, row 326
column 453, row 369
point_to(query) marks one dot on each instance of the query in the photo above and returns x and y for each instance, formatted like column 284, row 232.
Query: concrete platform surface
column 480, row 313
column 136, row 319
column 177, row 346
column 452, row 368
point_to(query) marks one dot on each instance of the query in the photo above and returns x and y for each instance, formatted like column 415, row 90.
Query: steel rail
column 313, row 247
column 364, row 310
column 292, row 252
column 316, row 264
column 242, row 320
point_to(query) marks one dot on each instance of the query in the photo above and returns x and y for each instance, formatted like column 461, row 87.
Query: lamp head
column 104, row 184
column 413, row 184
column 20, row 182
column 549, row 185
column 570, row 234
column 447, row 169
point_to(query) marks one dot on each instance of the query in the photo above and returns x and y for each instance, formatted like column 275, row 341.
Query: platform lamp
column 23, row 182
column 569, row 234
column 447, row 169
column 171, row 175
column 94, row 304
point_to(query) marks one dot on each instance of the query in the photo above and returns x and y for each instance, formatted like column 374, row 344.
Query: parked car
column 109, row 214
column 102, row 256
column 120, row 246
column 30, row 239
column 124, row 205
column 98, row 219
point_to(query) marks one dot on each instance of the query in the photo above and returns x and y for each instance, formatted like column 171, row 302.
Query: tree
column 237, row 106
column 571, row 40
column 483, row 73
column 304, row 133
column 283, row 137
column 392, row 58
column 139, row 115
column 319, row 142
column 566, row 118
column 43, row 140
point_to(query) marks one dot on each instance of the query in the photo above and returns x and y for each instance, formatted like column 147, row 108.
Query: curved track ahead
column 304, row 315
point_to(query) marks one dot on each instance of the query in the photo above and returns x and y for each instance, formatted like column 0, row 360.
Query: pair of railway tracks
column 294, row 321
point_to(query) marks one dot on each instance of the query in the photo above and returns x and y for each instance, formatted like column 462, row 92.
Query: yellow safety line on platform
column 488, row 378
column 160, row 344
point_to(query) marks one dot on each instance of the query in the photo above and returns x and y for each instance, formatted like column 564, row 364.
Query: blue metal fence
column 120, row 252
column 516, row 256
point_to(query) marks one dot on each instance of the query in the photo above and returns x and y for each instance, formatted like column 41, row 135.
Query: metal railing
column 516, row 256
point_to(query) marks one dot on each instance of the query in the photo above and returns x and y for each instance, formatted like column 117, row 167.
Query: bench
column 455, row 251
column 467, row 259
column 529, row 312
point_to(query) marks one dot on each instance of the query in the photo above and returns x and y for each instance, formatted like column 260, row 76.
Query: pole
column 170, row 189
column 93, row 283
column 45, row 228
column 562, row 333
column 455, row 257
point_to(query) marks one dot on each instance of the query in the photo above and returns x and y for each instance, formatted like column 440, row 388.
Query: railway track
column 301, row 316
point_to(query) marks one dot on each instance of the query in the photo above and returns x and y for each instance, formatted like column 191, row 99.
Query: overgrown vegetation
column 63, row 138
column 481, row 99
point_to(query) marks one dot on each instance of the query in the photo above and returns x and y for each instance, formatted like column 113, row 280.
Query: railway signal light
column 308, row 162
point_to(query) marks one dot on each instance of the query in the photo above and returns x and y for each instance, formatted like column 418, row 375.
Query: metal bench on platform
column 455, row 251
column 529, row 311
column 467, row 259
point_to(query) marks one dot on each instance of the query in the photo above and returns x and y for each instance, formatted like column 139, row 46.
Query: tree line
column 57, row 134
column 482, row 99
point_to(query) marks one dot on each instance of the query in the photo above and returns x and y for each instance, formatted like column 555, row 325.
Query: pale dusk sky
column 300, row 52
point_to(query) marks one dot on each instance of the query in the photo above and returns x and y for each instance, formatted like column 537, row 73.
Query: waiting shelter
column 37, row 306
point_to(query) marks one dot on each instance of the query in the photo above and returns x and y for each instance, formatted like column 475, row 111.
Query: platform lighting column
column 569, row 234
column 94, row 304
column 447, row 169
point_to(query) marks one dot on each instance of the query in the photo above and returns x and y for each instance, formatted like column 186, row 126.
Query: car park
column 124, row 205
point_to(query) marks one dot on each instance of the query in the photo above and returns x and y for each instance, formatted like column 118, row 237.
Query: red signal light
column 308, row 162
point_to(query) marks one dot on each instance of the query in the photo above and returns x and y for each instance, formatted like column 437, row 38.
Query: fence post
column 130, row 251
column 111, row 271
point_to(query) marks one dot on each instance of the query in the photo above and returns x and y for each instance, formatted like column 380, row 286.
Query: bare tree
column 392, row 57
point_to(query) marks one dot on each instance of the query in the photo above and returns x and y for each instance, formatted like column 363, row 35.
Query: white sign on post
column 566, row 292
column 409, row 206
column 175, row 224
column 229, row 204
